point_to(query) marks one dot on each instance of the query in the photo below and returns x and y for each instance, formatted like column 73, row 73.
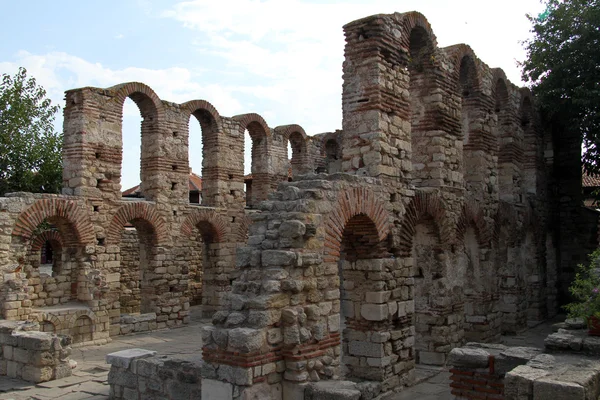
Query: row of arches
column 461, row 270
column 136, row 242
column 165, row 143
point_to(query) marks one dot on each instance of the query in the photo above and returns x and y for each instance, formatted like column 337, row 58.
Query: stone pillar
column 375, row 101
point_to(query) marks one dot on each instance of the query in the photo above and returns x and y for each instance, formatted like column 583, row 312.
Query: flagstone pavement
column 89, row 380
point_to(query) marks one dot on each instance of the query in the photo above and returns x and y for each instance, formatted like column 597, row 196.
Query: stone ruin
column 442, row 212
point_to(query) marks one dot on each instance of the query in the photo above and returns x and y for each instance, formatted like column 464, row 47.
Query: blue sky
column 279, row 58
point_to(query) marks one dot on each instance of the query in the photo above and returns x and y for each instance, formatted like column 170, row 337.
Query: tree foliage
column 30, row 149
column 563, row 68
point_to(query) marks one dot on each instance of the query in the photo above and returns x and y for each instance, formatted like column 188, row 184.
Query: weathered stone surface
column 123, row 358
column 471, row 358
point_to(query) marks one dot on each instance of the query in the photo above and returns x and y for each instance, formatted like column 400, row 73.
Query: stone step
column 332, row 390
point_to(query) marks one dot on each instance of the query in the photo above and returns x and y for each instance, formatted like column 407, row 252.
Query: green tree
column 563, row 69
column 30, row 149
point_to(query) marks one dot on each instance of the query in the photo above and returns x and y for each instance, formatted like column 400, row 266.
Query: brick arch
column 66, row 210
column 350, row 203
column 70, row 323
column 472, row 216
column 133, row 211
column 422, row 205
column 216, row 222
column 297, row 138
column 457, row 54
column 243, row 228
column 287, row 130
column 49, row 235
column 190, row 107
column 256, row 125
column 53, row 319
column 526, row 106
column 147, row 100
column 411, row 20
column 500, row 86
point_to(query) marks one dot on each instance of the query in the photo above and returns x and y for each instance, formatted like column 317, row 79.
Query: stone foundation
column 140, row 374
column 32, row 355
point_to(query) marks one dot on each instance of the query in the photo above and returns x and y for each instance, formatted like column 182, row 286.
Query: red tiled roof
column 195, row 184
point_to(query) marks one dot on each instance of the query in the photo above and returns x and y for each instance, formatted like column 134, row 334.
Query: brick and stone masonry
column 431, row 218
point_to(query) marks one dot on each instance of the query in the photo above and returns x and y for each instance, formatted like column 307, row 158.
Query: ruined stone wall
column 448, row 243
column 430, row 221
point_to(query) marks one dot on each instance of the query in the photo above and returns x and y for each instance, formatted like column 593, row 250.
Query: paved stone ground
column 89, row 380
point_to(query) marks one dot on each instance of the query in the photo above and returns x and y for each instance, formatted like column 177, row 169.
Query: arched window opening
column 207, row 285
column 53, row 264
column 248, row 147
column 138, row 249
column 83, row 331
column 333, row 156
column 131, row 175
column 431, row 294
column 360, row 245
column 296, row 153
column 196, row 154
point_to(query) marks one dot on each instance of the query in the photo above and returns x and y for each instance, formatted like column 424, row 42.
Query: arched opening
column 247, row 160
column 477, row 162
column 422, row 82
column 146, row 146
column 431, row 295
column 534, row 280
column 53, row 264
column 258, row 184
column 296, row 153
column 203, row 157
column 50, row 258
column 132, row 144
column 83, row 330
column 508, row 172
column 333, row 156
column 47, row 326
column 138, row 249
column 511, row 301
column 364, row 296
column 209, row 283
column 532, row 157
column 478, row 280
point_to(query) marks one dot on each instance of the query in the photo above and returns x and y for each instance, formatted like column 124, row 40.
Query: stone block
column 374, row 312
column 332, row 390
column 432, row 358
column 36, row 374
column 123, row 358
column 216, row 390
column 466, row 357
column 246, row 340
column 262, row 391
column 122, row 377
column 552, row 388
column 367, row 349
column 378, row 297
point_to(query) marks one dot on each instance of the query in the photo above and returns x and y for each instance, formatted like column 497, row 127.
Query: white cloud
column 279, row 58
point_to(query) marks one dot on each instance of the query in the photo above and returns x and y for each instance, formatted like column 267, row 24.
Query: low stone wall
column 496, row 372
column 478, row 370
column 140, row 374
column 578, row 341
column 131, row 323
column 32, row 355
